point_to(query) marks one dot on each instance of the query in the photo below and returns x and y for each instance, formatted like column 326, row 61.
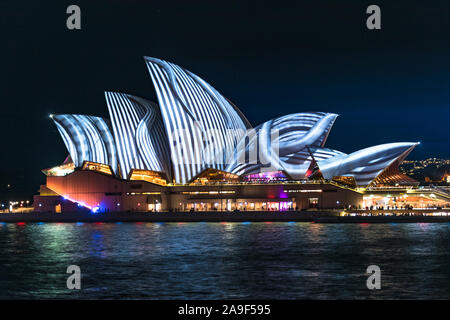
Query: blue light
column 79, row 223
column 246, row 222
column 118, row 222
column 40, row 223
column 95, row 209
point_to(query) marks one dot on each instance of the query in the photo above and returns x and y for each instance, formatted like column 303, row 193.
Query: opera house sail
column 139, row 134
column 294, row 136
column 366, row 164
column 193, row 134
column 87, row 138
column 203, row 126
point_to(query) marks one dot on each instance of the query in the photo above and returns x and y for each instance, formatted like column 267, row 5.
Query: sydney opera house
column 195, row 150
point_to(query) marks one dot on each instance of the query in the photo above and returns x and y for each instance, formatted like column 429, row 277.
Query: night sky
column 270, row 59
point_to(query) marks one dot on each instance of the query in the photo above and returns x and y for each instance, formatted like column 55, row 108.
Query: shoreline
column 254, row 216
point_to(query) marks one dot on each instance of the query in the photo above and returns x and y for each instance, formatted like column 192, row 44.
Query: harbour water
column 283, row 260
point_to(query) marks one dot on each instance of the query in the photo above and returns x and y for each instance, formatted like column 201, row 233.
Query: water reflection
column 224, row 260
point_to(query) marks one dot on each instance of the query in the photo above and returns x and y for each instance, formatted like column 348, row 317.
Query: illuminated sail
column 202, row 126
column 87, row 138
column 139, row 134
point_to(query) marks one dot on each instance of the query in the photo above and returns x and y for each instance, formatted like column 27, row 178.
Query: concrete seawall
column 254, row 216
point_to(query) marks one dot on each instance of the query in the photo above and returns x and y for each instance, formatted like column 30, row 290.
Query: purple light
column 266, row 177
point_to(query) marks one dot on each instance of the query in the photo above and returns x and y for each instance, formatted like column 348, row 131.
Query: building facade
column 195, row 150
column 87, row 189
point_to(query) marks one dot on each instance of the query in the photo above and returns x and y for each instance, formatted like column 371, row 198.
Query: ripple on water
column 224, row 260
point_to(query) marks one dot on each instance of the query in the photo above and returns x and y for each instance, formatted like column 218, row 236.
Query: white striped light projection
column 87, row 138
column 139, row 134
column 202, row 126
column 195, row 128
column 365, row 164
column 292, row 135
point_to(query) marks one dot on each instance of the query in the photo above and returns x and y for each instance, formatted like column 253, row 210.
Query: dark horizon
column 388, row 85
